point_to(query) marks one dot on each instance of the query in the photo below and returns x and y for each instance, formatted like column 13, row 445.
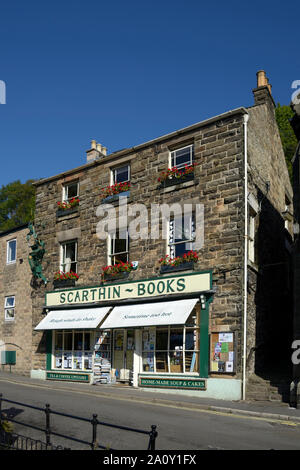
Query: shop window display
column 72, row 350
column 172, row 349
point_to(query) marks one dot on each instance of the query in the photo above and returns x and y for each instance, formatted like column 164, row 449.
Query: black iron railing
column 93, row 444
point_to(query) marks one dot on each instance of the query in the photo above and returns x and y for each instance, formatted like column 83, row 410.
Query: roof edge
column 115, row 155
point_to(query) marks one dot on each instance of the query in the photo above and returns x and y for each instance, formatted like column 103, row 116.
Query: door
column 123, row 354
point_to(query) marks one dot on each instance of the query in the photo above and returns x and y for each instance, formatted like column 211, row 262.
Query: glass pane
column 72, row 190
column 70, row 252
column 120, row 245
column 130, row 339
column 88, row 361
column 120, row 258
column 9, row 302
column 58, row 341
column 78, row 341
column 77, row 360
column 176, row 361
column 68, row 341
column 183, row 157
column 161, row 361
column 118, row 340
column 191, row 339
column 58, row 360
column 161, row 339
column 148, row 362
column 9, row 313
column 191, row 361
column 67, row 361
column 176, row 338
column 87, row 341
column 121, row 174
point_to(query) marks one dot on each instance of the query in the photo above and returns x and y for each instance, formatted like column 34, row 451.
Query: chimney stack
column 96, row 152
column 262, row 93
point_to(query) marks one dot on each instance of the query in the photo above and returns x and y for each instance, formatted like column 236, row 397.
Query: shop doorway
column 123, row 347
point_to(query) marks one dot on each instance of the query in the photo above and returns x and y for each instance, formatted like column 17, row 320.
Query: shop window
column 121, row 174
column 72, row 350
column 181, row 235
column 68, row 256
column 11, row 255
column 119, row 247
column 9, row 308
column 183, row 156
column 70, row 191
column 173, row 349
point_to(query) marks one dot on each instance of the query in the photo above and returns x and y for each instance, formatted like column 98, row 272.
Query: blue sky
column 126, row 72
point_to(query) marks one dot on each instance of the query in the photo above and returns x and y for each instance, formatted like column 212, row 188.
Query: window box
column 165, row 268
column 62, row 283
column 115, row 277
column 172, row 181
column 115, row 197
column 62, row 212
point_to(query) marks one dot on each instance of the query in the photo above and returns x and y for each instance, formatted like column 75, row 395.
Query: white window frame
column 251, row 235
column 113, row 170
column 172, row 157
column 168, row 328
column 72, row 352
column 9, row 261
column 111, row 243
column 170, row 244
column 9, row 307
column 63, row 262
column 65, row 197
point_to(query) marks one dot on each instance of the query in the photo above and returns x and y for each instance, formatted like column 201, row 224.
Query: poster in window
column 222, row 355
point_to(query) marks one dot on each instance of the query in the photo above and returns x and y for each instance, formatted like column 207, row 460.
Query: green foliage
column 289, row 142
column 17, row 201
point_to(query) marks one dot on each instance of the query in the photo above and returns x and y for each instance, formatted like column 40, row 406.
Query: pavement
column 273, row 410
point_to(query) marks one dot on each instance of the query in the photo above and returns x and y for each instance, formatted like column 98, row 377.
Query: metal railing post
column 153, row 435
column 48, row 429
column 94, row 424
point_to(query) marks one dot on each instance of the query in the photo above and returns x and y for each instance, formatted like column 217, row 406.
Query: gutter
column 246, row 118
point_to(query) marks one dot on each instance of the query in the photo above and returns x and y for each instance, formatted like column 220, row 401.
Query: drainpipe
column 246, row 117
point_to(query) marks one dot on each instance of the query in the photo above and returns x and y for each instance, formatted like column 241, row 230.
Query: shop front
column 151, row 333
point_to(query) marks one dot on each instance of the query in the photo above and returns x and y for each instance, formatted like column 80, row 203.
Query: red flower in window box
column 175, row 173
column 191, row 256
column 115, row 189
column 118, row 268
column 69, row 205
column 62, row 276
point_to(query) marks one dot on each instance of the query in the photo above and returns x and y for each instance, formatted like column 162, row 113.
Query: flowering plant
column 186, row 258
column 174, row 172
column 115, row 189
column 118, row 268
column 61, row 276
column 68, row 204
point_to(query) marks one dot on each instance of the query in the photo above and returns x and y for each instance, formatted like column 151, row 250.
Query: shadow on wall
column 273, row 298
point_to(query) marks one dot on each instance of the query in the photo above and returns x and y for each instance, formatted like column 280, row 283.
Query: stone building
column 15, row 299
column 201, row 327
